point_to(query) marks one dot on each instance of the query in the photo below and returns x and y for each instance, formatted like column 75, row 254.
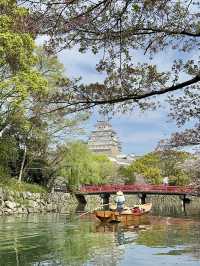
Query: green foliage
column 149, row 160
column 128, row 174
column 154, row 166
column 170, row 160
column 81, row 166
column 14, row 185
column 153, row 175
column 19, row 82
column 33, row 126
column 106, row 167
column 31, row 84
column 8, row 154
column 18, row 78
column 180, row 179
column 77, row 164
column 50, row 68
column 146, row 166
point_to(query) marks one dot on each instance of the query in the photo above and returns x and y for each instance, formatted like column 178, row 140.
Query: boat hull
column 125, row 216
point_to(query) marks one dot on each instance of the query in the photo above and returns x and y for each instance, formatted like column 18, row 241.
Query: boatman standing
column 120, row 200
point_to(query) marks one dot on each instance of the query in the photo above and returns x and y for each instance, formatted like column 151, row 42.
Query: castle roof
column 104, row 139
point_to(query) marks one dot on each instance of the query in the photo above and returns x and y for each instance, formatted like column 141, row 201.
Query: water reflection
column 57, row 240
column 159, row 232
column 47, row 240
column 125, row 232
column 172, row 206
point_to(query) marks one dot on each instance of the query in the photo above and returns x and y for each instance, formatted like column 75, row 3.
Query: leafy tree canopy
column 123, row 32
column 154, row 166
column 30, row 130
column 19, row 79
column 120, row 30
column 31, row 89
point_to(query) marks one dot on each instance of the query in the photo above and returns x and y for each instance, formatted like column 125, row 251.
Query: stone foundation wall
column 26, row 202
column 12, row 202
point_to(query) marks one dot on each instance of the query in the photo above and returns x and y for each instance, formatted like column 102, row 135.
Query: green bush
column 153, row 175
column 180, row 179
column 128, row 174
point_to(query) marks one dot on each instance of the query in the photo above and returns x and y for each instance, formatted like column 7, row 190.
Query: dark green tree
column 35, row 129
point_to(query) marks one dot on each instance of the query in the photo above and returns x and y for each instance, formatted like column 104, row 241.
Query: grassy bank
column 14, row 185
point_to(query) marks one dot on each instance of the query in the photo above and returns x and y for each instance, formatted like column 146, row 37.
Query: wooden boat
column 126, row 215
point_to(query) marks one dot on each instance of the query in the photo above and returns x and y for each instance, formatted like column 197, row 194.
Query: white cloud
column 142, row 137
column 143, row 117
column 81, row 64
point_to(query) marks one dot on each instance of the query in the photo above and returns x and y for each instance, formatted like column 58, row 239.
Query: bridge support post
column 81, row 202
column 142, row 198
column 105, row 200
column 184, row 201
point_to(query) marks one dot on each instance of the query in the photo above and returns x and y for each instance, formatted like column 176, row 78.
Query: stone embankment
column 12, row 202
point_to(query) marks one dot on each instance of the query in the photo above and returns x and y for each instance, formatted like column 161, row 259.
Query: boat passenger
column 120, row 200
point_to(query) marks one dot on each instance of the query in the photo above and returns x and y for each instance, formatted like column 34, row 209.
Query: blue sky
column 138, row 132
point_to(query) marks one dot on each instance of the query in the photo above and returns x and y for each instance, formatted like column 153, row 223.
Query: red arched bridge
column 142, row 188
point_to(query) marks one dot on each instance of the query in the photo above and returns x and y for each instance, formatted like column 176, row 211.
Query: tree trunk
column 22, row 165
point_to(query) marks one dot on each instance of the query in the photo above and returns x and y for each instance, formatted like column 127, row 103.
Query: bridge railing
column 135, row 188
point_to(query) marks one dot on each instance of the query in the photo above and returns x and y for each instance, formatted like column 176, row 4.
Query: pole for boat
column 93, row 210
column 105, row 198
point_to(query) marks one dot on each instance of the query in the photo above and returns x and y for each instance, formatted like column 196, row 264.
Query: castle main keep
column 104, row 140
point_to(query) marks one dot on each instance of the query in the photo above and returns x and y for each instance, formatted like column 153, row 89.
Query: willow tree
column 78, row 165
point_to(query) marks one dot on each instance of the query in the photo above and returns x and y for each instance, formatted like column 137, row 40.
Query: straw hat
column 119, row 193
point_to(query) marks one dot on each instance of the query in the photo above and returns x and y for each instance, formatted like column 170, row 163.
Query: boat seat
column 114, row 207
column 128, row 211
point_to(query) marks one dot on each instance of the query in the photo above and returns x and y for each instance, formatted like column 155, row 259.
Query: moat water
column 65, row 240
